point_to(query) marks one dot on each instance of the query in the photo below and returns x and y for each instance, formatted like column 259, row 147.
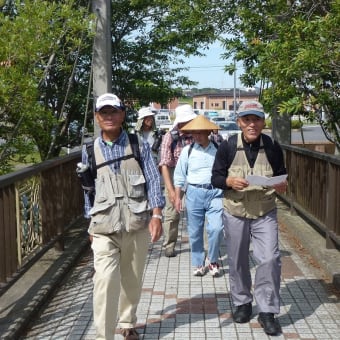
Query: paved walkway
column 177, row 305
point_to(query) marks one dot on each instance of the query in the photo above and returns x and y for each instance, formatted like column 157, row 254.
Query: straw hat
column 200, row 123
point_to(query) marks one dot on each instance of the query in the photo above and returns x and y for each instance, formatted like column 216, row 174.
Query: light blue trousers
column 204, row 204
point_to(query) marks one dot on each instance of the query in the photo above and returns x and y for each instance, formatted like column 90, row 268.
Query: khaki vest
column 253, row 201
column 121, row 201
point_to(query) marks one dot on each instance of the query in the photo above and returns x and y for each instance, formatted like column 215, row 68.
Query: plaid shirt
column 168, row 157
column 150, row 170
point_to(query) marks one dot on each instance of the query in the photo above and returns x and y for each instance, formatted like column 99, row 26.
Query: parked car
column 217, row 120
column 162, row 119
column 228, row 128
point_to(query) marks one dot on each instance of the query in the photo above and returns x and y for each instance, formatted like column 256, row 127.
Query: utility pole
column 234, row 87
column 102, row 59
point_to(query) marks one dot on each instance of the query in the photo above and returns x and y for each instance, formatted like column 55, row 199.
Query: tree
column 37, row 58
column 292, row 47
column 46, row 63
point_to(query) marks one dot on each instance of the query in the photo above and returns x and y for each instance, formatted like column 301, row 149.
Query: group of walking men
column 129, row 205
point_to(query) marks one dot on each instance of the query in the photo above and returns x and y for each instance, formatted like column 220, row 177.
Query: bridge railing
column 37, row 204
column 314, row 190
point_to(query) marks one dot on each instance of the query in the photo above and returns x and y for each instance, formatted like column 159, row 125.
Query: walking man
column 127, row 209
column 250, row 216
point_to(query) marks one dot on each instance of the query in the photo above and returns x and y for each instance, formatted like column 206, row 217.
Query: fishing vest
column 121, row 201
column 253, row 201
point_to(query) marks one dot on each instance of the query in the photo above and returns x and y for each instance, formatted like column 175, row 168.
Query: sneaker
column 199, row 271
column 129, row 333
column 214, row 269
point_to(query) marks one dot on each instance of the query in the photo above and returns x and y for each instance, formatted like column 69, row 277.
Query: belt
column 203, row 186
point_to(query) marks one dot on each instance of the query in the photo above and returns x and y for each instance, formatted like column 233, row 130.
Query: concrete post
column 102, row 59
column 281, row 128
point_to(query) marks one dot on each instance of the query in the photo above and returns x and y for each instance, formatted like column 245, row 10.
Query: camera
column 158, row 136
column 85, row 176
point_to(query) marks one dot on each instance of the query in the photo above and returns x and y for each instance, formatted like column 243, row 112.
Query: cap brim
column 251, row 112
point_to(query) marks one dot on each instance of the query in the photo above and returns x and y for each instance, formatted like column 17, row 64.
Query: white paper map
column 265, row 181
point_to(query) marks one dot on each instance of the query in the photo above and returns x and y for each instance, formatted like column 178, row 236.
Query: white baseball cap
column 184, row 113
column 109, row 99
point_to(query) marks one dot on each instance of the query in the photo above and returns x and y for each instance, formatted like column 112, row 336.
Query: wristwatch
column 157, row 216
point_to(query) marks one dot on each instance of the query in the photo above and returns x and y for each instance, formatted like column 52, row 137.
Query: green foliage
column 292, row 48
column 40, row 41
column 295, row 124
column 45, row 63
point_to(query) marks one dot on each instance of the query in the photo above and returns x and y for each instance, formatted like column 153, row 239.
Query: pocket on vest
column 138, row 215
column 105, row 219
column 136, row 185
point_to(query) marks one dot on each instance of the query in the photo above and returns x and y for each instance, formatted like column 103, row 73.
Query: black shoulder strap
column 173, row 145
column 215, row 144
column 193, row 143
column 133, row 139
column 231, row 149
column 192, row 146
column 268, row 144
column 91, row 158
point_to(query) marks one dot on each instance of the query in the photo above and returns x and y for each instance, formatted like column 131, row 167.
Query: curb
column 313, row 242
column 21, row 303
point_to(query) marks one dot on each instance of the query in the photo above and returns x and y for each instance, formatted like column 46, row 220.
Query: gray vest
column 253, row 201
column 121, row 201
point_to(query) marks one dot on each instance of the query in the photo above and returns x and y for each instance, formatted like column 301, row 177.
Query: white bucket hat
column 144, row 112
column 184, row 113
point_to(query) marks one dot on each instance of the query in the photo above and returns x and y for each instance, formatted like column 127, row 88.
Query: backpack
column 190, row 149
column 133, row 139
column 268, row 144
column 193, row 143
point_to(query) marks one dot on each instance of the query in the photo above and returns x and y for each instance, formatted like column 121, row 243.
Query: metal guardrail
column 37, row 204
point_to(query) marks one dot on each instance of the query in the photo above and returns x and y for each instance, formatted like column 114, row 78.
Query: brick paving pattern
column 177, row 305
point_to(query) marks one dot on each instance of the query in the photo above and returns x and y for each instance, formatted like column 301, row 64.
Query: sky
column 208, row 71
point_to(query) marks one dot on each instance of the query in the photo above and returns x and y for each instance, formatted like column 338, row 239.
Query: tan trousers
column 119, row 261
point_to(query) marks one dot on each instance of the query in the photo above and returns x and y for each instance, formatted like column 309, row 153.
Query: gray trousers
column 263, row 233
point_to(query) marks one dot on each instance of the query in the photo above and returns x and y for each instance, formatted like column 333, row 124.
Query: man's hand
column 236, row 183
column 281, row 187
column 155, row 229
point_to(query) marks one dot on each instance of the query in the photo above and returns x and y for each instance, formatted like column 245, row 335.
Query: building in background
column 223, row 99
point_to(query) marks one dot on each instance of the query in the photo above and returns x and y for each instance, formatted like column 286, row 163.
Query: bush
column 295, row 124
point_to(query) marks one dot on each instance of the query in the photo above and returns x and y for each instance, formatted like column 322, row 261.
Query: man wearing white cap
column 171, row 147
column 126, row 211
column 250, row 216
